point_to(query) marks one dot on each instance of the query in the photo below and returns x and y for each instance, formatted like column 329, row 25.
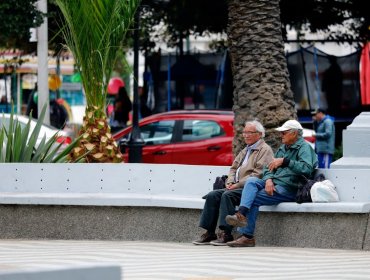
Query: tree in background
column 184, row 17
column 260, row 74
column 94, row 31
column 261, row 81
column 17, row 17
column 256, row 32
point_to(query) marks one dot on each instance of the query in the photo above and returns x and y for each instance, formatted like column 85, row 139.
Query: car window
column 157, row 132
column 194, row 130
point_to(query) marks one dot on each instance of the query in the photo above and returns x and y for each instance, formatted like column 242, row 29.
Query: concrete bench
column 352, row 188
column 147, row 185
column 163, row 202
column 151, row 185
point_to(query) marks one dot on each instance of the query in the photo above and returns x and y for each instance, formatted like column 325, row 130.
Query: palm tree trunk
column 261, row 80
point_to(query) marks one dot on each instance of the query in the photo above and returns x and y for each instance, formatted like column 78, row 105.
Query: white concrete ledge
column 153, row 185
column 174, row 201
column 103, row 199
column 334, row 207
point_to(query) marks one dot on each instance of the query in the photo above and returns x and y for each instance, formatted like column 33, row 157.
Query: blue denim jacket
column 325, row 136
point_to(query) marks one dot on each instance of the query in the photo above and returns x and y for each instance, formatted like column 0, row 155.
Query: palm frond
column 94, row 31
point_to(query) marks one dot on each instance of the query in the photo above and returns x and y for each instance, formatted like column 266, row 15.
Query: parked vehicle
column 47, row 130
column 309, row 136
column 199, row 137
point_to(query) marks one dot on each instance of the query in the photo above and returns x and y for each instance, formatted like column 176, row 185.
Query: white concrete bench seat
column 163, row 203
column 335, row 207
column 152, row 185
column 172, row 201
column 103, row 199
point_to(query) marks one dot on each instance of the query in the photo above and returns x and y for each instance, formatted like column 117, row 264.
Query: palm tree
column 261, row 80
column 94, row 31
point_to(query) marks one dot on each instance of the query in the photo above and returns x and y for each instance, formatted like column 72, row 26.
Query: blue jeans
column 254, row 196
column 324, row 160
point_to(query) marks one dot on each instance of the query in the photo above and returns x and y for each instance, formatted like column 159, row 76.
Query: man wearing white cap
column 293, row 161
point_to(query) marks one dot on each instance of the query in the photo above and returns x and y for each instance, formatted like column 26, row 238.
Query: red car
column 199, row 137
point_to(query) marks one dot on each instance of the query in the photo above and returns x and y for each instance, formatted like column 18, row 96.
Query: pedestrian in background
column 122, row 108
column 323, row 125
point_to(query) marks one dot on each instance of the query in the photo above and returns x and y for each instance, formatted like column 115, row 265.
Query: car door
column 202, row 142
column 158, row 137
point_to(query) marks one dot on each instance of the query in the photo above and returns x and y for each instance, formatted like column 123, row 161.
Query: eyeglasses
column 246, row 133
column 285, row 132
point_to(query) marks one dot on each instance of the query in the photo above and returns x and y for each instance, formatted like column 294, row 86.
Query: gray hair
column 299, row 132
column 259, row 127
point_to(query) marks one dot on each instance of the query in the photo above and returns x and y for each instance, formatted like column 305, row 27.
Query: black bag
column 304, row 191
column 220, row 182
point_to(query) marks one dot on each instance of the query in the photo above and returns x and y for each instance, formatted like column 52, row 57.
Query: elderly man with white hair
column 293, row 161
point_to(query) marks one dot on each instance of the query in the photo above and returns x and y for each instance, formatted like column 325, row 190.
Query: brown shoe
column 223, row 238
column 242, row 241
column 205, row 239
column 237, row 220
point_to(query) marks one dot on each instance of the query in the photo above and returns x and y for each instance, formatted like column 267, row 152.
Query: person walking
column 220, row 203
column 294, row 160
column 325, row 137
column 122, row 108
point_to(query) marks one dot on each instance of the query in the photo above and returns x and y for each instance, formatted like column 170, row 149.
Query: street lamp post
column 42, row 61
column 136, row 143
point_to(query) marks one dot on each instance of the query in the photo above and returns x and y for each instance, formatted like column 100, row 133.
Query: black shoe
column 223, row 238
column 205, row 239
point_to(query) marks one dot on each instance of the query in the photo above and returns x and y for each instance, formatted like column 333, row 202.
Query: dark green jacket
column 303, row 161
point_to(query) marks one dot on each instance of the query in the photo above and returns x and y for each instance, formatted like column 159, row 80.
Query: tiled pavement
column 162, row 260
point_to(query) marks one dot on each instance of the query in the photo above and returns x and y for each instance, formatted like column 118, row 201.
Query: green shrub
column 338, row 153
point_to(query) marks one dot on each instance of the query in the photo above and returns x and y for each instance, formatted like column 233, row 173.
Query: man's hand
column 231, row 186
column 269, row 187
column 275, row 163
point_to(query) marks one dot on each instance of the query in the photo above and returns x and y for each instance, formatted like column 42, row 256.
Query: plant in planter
column 19, row 144
column 93, row 31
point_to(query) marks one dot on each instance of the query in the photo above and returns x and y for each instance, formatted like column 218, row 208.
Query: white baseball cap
column 288, row 125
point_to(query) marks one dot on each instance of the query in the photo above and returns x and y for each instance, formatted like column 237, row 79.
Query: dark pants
column 219, row 204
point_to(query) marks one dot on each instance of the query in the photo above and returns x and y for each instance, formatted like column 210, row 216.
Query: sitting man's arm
column 305, row 163
column 234, row 167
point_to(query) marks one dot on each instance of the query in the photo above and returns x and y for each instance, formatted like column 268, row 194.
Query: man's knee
column 230, row 194
column 251, row 182
column 215, row 194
